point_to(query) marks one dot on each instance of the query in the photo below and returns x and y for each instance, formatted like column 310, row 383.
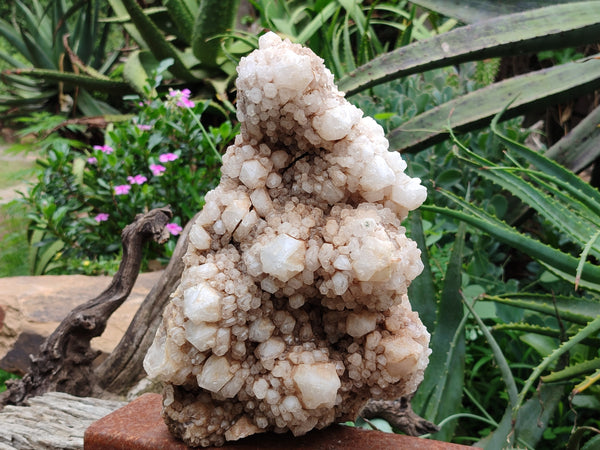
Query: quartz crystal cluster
column 292, row 309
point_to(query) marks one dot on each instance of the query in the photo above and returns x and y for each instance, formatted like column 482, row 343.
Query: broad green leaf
column 548, row 28
column 470, row 11
column 440, row 393
column 45, row 255
column 533, row 90
column 137, row 69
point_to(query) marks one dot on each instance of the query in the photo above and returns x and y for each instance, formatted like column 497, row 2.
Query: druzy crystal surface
column 292, row 310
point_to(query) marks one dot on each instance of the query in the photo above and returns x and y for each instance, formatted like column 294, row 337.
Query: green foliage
column 4, row 376
column 13, row 257
column 84, row 197
column 348, row 33
column 549, row 28
column 50, row 48
column 526, row 334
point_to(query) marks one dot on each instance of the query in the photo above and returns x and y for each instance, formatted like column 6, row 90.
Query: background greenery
column 509, row 237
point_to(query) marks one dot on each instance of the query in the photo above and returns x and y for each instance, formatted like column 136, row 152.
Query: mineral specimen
column 292, row 309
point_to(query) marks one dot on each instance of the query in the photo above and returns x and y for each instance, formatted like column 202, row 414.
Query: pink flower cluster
column 137, row 179
column 102, row 217
column 104, row 149
column 157, row 169
column 122, row 189
column 183, row 98
column 167, row 157
column 174, row 229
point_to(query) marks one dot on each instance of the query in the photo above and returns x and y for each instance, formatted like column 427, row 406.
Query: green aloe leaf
column 534, row 90
column 84, row 81
column 16, row 42
column 317, row 23
column 566, row 213
column 564, row 263
column 542, row 331
column 576, row 370
column 547, row 28
column 590, row 329
column 440, row 393
column 569, row 308
column 155, row 40
column 470, row 11
column 568, row 181
column 422, row 290
column 182, row 16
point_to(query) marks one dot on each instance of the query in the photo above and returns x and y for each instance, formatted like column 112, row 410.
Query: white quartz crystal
column 283, row 257
column 215, row 373
column 202, row 303
column 292, row 309
column 317, row 384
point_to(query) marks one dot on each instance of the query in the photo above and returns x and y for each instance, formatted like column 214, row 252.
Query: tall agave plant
column 572, row 206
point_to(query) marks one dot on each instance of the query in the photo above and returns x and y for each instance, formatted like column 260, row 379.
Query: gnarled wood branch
column 123, row 367
column 64, row 362
column 400, row 415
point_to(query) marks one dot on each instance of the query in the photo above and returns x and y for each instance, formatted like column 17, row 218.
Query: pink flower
column 183, row 98
column 143, row 127
column 157, row 169
column 166, row 157
column 174, row 229
column 92, row 160
column 122, row 189
column 104, row 149
column 102, row 217
column 138, row 179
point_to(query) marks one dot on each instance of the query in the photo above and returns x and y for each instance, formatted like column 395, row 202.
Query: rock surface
column 32, row 307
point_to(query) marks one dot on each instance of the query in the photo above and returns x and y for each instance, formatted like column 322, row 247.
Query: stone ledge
column 32, row 307
column 139, row 426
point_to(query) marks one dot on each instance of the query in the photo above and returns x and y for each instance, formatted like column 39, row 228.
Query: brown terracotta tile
column 139, row 426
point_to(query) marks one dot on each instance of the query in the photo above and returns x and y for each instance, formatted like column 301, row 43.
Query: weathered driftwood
column 54, row 420
column 399, row 414
column 64, row 362
column 123, row 367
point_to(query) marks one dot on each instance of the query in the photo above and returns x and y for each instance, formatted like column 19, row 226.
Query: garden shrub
column 84, row 196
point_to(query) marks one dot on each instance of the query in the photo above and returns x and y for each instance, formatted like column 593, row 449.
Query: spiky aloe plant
column 572, row 207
